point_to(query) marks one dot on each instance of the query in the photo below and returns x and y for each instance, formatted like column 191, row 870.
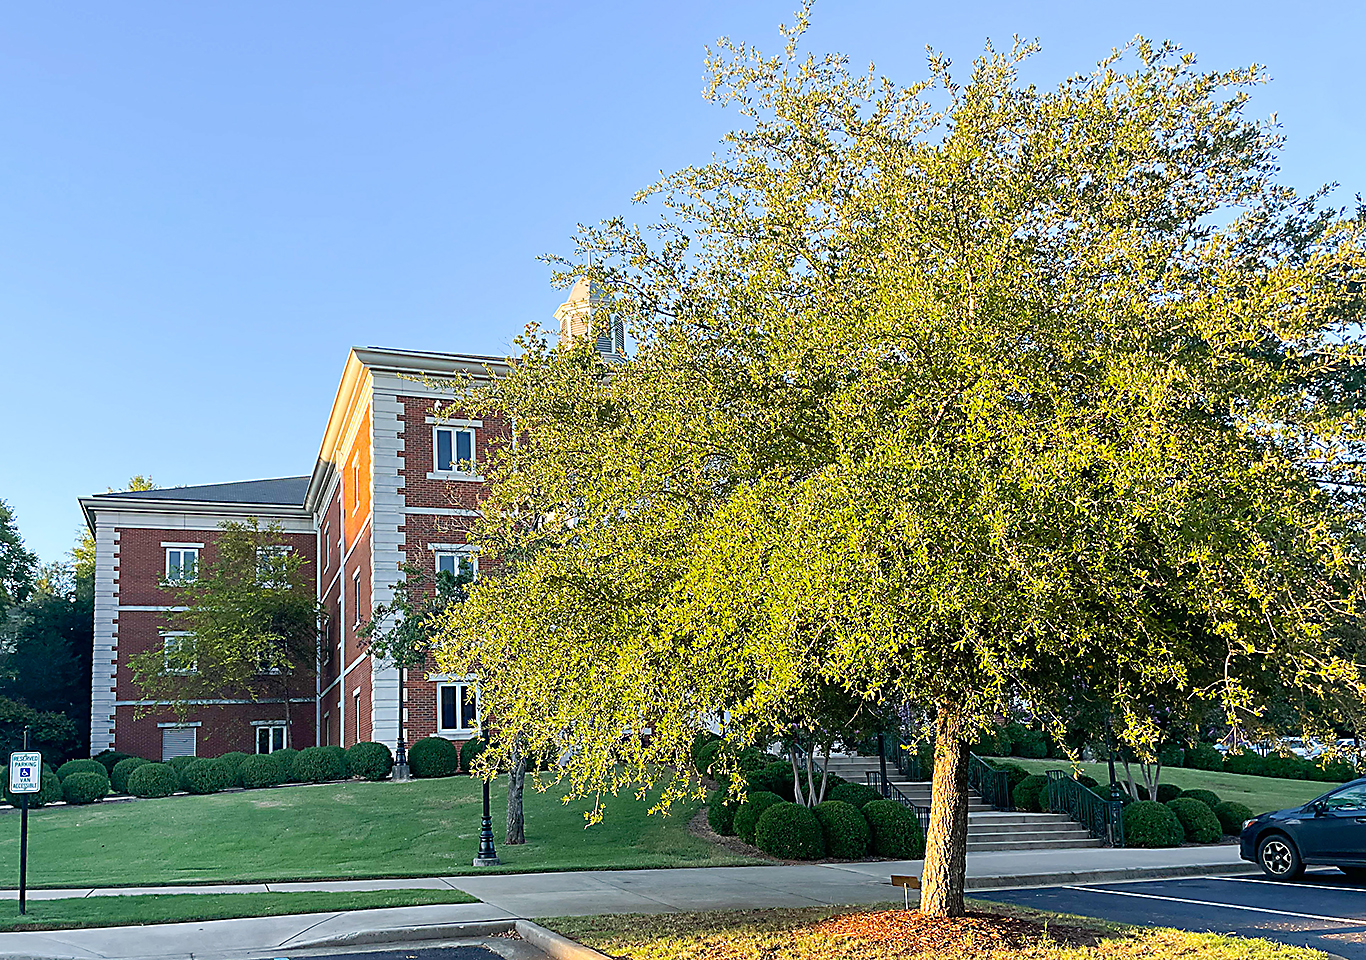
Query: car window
column 1353, row 798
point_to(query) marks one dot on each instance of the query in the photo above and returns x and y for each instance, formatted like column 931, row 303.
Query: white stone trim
column 182, row 546
column 102, row 677
column 456, row 422
column 455, row 477
column 176, row 726
column 388, row 546
column 444, row 511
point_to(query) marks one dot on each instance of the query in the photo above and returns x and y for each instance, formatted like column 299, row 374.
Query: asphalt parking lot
column 1325, row 910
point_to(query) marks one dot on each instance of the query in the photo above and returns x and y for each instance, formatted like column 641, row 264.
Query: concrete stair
column 988, row 829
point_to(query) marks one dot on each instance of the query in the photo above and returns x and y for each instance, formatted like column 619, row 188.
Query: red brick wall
column 225, row 728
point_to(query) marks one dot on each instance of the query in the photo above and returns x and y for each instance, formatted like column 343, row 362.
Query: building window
column 454, row 450
column 327, row 728
column 271, row 568
column 327, row 549
column 355, row 699
column 178, row 742
column 178, row 654
column 457, row 709
column 456, row 562
column 181, row 563
column 355, row 592
column 270, row 737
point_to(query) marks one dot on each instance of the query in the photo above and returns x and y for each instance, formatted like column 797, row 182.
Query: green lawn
column 1260, row 793
column 175, row 908
column 420, row 828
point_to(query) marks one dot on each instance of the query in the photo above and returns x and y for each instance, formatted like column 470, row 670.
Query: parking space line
column 1355, row 921
column 1283, row 883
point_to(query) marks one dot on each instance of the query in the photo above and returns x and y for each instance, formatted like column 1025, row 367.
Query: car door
column 1335, row 829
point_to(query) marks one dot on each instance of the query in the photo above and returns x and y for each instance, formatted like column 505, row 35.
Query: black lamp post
column 400, row 754
column 488, row 857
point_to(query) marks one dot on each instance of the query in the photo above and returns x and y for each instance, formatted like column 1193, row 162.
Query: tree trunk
column 516, row 826
column 946, row 847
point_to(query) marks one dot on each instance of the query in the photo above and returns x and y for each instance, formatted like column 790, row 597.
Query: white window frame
column 355, row 703
column 178, row 636
column 327, row 547
column 355, row 594
column 458, row 732
column 454, row 468
column 458, row 555
column 275, row 550
column 181, row 551
column 271, row 725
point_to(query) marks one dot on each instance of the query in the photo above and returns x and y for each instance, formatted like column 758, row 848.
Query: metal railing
column 889, row 791
column 1103, row 819
column 898, row 753
column 992, row 785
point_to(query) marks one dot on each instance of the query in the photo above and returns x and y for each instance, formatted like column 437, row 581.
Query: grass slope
column 180, row 907
column 421, row 828
column 822, row 933
column 1260, row 793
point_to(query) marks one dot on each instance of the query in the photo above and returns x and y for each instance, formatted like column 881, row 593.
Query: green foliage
column 1015, row 774
column 706, row 754
column 18, row 567
column 118, row 777
column 1288, row 766
column 789, row 831
column 85, row 787
column 434, row 757
column 721, row 813
column 49, row 789
column 1198, row 821
column 81, row 766
column 995, row 742
column 153, row 780
column 1208, row 797
column 469, row 752
column 286, row 759
column 896, row 830
column 1030, row 793
column 1333, row 770
column 774, row 777
column 1171, row 755
column 1245, row 762
column 845, row 830
column 178, row 764
column 1202, row 756
column 260, row 770
column 205, row 775
column 1167, row 792
column 233, row 761
column 748, row 814
column 856, row 794
column 1090, row 783
column 110, row 759
column 320, row 764
column 51, row 733
column 1232, row 815
column 1031, row 744
column 1151, row 824
column 699, row 741
column 369, row 761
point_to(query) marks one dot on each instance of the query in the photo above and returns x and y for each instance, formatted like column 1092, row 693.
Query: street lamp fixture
column 488, row 857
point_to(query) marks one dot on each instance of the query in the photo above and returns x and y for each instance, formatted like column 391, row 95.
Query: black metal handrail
column 992, row 785
column 1104, row 819
column 889, row 791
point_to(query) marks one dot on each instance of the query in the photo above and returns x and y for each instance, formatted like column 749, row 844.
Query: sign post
column 25, row 777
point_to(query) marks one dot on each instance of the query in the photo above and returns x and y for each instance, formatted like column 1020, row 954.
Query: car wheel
column 1278, row 858
column 1355, row 874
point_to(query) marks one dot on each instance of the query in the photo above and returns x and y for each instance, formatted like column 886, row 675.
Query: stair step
column 995, row 817
column 1025, row 834
column 999, row 845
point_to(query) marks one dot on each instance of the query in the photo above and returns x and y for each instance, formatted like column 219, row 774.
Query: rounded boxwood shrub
column 1032, row 745
column 49, row 788
column 85, row 786
column 1029, row 794
column 1167, row 792
column 1288, row 766
column 1015, row 774
column 118, row 778
column 748, row 814
column 260, row 770
column 856, row 794
column 1208, row 797
column 895, row 829
column 153, row 780
column 1203, row 756
column 285, row 758
column 699, row 741
column 1232, row 815
column 706, row 754
column 775, row 777
column 721, row 813
column 178, row 764
column 844, row 828
column 1151, row 824
column 1198, row 821
column 109, row 759
column 469, row 752
column 790, row 831
column 433, row 757
column 81, row 766
column 233, row 761
column 1247, row 763
column 369, row 761
column 320, row 764
column 1091, row 783
column 207, row 775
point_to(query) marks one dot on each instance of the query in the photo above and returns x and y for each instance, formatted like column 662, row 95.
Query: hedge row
column 846, row 829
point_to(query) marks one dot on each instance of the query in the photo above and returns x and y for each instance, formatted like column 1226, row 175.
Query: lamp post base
column 487, row 861
column 401, row 772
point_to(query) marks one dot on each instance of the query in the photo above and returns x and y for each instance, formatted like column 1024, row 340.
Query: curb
column 549, row 942
column 1109, row 876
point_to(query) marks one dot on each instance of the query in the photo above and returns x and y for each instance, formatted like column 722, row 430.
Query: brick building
column 393, row 485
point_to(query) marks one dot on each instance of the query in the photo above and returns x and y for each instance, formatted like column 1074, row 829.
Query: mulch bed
column 913, row 931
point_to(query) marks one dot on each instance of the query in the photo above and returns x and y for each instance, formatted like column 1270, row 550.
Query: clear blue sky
column 203, row 206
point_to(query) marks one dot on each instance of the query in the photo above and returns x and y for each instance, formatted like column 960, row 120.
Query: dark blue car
column 1329, row 830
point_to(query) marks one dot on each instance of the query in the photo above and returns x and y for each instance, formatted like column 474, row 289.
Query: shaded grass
column 994, row 930
column 140, row 909
column 338, row 831
column 1262, row 794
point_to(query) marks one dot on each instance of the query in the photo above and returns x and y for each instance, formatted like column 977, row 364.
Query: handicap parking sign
column 25, row 772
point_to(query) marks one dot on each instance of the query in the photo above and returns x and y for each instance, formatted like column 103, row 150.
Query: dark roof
column 285, row 491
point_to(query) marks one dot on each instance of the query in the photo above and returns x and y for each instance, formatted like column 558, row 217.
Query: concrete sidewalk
column 589, row 892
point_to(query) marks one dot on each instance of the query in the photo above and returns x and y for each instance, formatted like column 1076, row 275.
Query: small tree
column 251, row 623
